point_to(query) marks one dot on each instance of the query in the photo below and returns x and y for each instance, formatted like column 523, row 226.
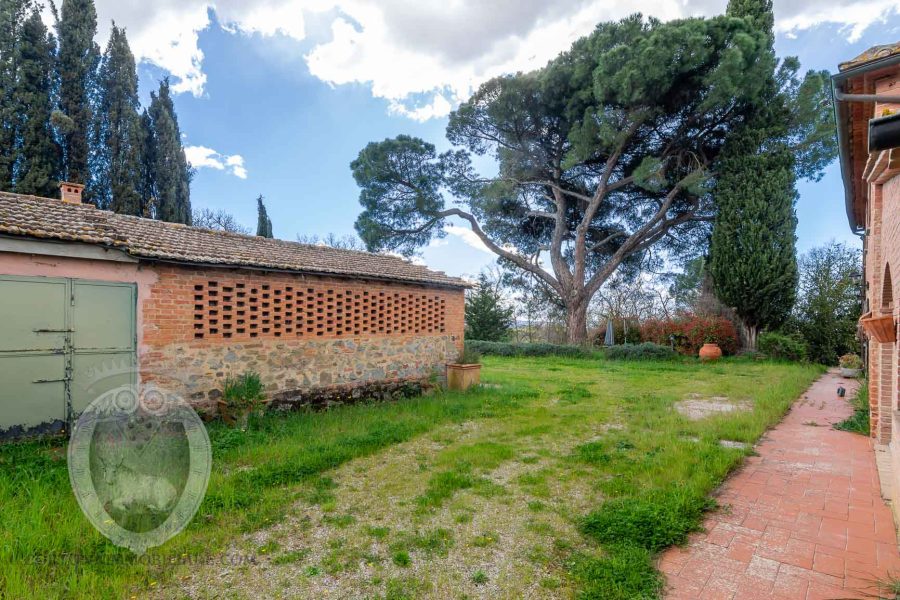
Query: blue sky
column 277, row 97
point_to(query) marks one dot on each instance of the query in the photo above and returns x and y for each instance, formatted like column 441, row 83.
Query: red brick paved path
column 806, row 516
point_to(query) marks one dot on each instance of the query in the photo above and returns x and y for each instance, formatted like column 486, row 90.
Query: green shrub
column 782, row 347
column 645, row 351
column 510, row 349
column 469, row 356
column 243, row 391
column 650, row 522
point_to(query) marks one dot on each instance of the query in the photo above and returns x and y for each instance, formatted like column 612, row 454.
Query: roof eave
column 837, row 82
column 461, row 284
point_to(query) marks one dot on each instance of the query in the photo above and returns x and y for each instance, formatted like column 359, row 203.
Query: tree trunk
column 751, row 333
column 576, row 324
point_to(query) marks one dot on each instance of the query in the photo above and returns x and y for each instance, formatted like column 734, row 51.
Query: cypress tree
column 12, row 18
column 263, row 222
column 171, row 172
column 146, row 189
column 37, row 164
column 753, row 259
column 79, row 57
column 118, row 133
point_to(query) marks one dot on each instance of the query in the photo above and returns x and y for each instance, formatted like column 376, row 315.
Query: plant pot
column 881, row 328
column 710, row 352
column 849, row 373
column 234, row 416
column 462, row 377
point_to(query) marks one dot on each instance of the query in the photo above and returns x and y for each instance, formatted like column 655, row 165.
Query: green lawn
column 558, row 477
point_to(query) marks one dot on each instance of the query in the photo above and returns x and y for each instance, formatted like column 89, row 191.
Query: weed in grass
column 401, row 558
column 379, row 533
column 550, row 583
column 269, row 547
column 436, row 541
column 536, row 506
column 312, row 571
column 339, row 521
column 529, row 460
column 479, row 578
column 858, row 422
column 485, row 539
column 290, row 557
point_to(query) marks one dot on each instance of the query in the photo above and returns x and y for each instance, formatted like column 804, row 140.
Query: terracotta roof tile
column 147, row 238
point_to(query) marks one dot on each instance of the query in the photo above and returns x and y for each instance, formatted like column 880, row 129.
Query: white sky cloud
column 424, row 57
column 468, row 237
column 202, row 157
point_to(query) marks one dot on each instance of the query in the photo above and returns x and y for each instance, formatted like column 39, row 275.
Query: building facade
column 91, row 300
column 867, row 107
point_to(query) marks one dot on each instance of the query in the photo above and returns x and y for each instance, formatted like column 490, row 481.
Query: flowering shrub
column 690, row 332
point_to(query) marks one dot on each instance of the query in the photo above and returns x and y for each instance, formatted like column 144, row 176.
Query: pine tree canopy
column 604, row 154
column 263, row 222
column 37, row 162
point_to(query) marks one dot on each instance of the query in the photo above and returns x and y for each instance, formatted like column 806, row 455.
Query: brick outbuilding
column 867, row 107
column 90, row 298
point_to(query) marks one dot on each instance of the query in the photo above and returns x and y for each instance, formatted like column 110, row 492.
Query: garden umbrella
column 610, row 338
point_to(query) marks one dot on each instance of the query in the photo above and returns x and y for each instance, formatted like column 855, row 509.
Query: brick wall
column 301, row 333
column 882, row 264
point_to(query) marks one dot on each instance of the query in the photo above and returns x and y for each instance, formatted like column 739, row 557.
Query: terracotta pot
column 882, row 328
column 710, row 352
column 462, row 377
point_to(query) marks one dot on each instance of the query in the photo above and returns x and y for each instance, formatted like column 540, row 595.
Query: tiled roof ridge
column 144, row 237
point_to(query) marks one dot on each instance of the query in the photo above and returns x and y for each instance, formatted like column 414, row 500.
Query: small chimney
column 70, row 192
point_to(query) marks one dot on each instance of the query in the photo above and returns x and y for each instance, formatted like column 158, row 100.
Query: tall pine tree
column 12, row 17
column 171, row 172
column 263, row 222
column 38, row 157
column 753, row 258
column 79, row 57
column 118, row 129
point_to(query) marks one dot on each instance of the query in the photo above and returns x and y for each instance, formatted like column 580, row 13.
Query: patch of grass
column 339, row 521
column 858, row 422
column 479, row 578
column 401, row 558
column 654, row 473
column 485, row 539
column 651, row 522
column 290, row 557
column 379, row 533
column 624, row 573
column 48, row 549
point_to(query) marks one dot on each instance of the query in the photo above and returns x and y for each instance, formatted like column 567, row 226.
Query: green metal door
column 63, row 342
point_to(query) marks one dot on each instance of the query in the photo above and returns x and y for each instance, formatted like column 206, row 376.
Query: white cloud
column 202, row 157
column 468, row 237
column 424, row 57
column 854, row 16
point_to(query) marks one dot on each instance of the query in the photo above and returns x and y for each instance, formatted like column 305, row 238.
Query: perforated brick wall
column 257, row 307
column 299, row 332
